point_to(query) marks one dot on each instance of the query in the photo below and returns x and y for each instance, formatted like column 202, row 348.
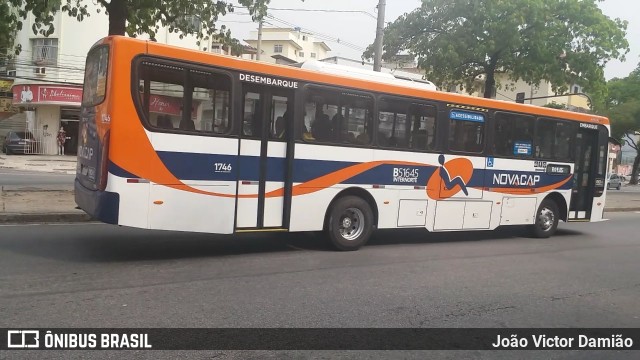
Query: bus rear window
column 95, row 76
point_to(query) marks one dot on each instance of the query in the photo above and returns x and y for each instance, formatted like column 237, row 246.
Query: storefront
column 48, row 107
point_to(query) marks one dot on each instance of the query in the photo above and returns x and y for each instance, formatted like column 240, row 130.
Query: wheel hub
column 546, row 219
column 352, row 224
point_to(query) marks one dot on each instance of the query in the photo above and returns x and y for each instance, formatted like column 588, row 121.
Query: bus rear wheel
column 350, row 223
column 547, row 218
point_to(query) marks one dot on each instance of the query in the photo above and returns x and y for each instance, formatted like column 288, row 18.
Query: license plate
column 22, row 142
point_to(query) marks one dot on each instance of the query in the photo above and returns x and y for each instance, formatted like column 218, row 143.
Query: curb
column 22, row 218
column 621, row 209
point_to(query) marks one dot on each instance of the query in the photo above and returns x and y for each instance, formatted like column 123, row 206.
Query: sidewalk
column 60, row 164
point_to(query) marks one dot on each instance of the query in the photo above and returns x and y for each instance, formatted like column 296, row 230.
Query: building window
column 304, row 38
column 576, row 89
column 313, row 55
column 45, row 51
column 277, row 48
column 301, row 54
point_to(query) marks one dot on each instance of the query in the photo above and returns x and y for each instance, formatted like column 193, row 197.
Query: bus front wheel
column 547, row 218
column 350, row 223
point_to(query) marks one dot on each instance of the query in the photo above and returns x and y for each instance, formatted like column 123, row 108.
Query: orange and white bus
column 184, row 140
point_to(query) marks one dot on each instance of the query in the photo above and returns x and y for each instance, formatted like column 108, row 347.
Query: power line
column 48, row 81
column 326, row 10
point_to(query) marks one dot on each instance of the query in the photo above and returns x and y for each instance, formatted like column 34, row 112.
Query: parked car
column 615, row 182
column 18, row 142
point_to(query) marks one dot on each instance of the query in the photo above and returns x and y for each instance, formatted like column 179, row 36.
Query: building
column 507, row 90
column 48, row 74
column 287, row 46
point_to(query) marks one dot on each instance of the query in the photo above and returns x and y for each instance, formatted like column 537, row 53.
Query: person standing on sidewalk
column 62, row 138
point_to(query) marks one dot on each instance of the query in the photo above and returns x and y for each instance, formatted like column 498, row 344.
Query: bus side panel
column 207, row 204
column 134, row 200
column 407, row 200
column 318, row 178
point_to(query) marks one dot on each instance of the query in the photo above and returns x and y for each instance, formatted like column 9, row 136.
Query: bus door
column 263, row 190
column 584, row 174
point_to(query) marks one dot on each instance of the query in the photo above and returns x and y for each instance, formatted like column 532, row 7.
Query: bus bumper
column 101, row 205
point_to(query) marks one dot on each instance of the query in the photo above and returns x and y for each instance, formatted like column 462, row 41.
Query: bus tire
column 350, row 223
column 546, row 221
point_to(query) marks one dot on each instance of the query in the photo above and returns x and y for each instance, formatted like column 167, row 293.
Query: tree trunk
column 489, row 84
column 118, row 13
column 634, row 170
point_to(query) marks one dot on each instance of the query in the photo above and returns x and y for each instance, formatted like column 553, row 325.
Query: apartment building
column 288, row 46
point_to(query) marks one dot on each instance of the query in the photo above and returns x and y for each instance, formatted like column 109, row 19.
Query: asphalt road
column 33, row 178
column 95, row 275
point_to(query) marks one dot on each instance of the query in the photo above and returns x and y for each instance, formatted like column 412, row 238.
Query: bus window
column 252, row 115
column 211, row 102
column 423, row 127
column 554, row 139
column 513, row 135
column 162, row 93
column 338, row 117
column 357, row 118
column 280, row 117
column 392, row 124
column 466, row 131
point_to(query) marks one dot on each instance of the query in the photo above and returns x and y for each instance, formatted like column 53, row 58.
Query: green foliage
column 623, row 104
column 564, row 42
column 555, row 105
column 130, row 17
column 623, row 109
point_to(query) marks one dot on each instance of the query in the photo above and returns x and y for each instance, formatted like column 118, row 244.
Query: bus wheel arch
column 561, row 203
column 350, row 219
column 547, row 216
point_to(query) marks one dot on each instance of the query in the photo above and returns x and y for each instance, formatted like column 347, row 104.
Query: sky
column 357, row 29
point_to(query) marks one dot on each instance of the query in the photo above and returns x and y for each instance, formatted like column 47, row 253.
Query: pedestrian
column 62, row 138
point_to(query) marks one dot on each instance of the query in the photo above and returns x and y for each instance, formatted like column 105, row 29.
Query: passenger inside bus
column 321, row 127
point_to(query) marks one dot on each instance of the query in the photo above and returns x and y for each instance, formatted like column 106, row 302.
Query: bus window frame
column 311, row 86
column 186, row 66
column 534, row 121
column 572, row 155
column 410, row 102
column 446, row 124
column 106, row 85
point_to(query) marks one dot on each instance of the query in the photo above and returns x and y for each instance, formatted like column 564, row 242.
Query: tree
column 624, row 111
column 564, row 42
column 130, row 17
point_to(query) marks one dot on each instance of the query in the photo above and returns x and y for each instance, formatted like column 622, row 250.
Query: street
column 95, row 275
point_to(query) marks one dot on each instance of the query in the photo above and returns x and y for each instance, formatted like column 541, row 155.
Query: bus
column 184, row 140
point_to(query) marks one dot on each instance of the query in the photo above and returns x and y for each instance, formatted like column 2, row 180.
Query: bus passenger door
column 264, row 163
column 584, row 174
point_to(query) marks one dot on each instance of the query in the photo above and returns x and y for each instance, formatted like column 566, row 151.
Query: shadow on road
column 104, row 243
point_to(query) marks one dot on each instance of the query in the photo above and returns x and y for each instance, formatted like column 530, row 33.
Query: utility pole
column 377, row 59
column 259, row 40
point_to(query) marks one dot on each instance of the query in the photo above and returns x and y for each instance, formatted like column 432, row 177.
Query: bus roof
column 399, row 87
